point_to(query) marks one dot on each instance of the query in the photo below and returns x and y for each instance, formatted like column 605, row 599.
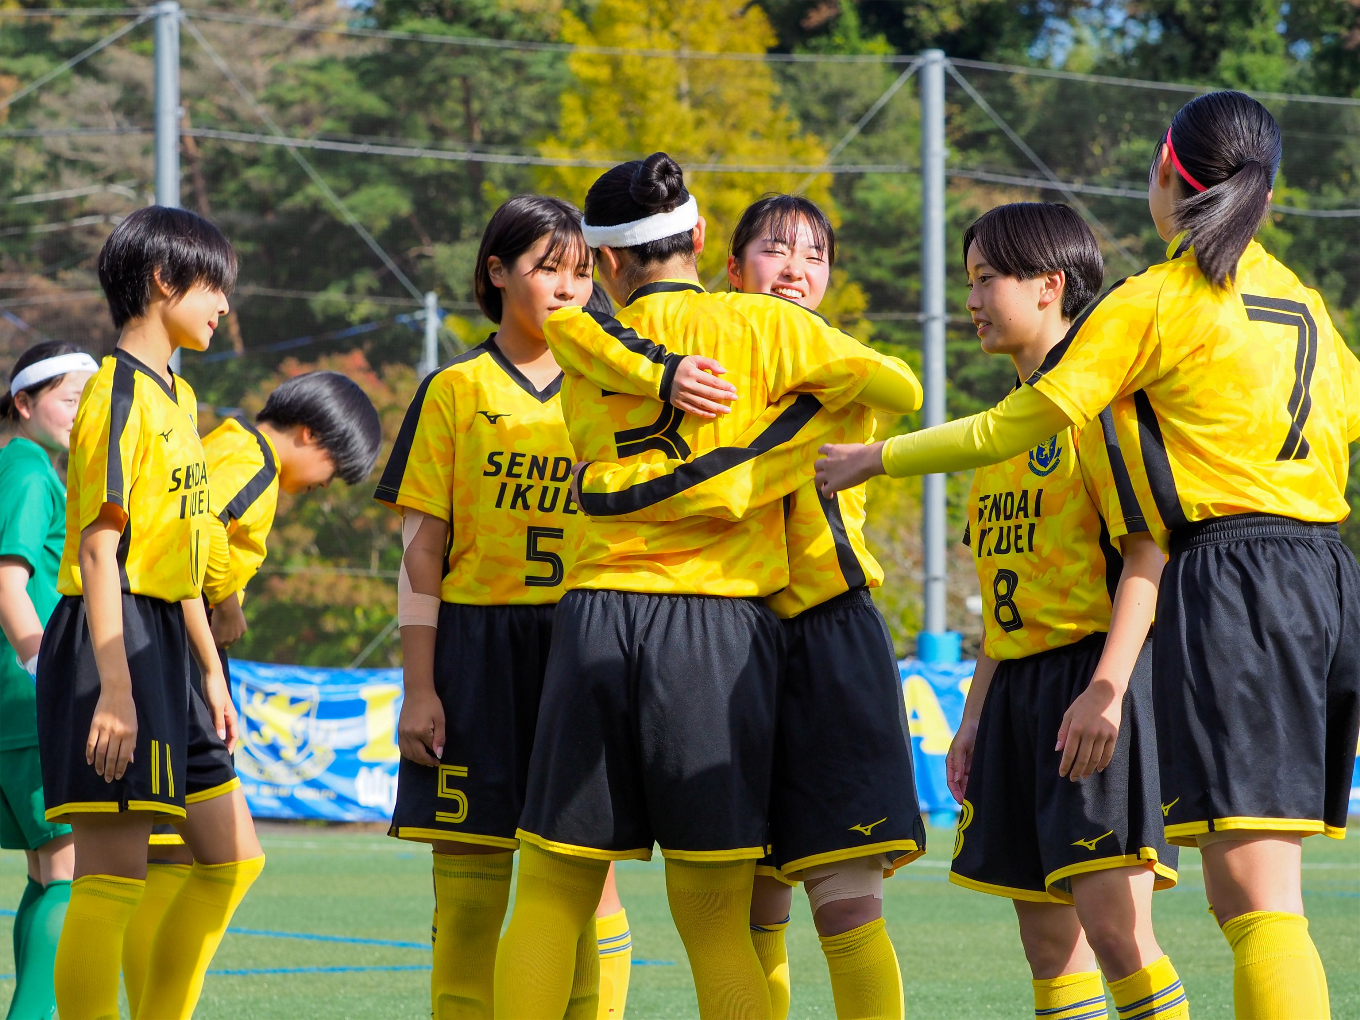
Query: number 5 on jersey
column 533, row 554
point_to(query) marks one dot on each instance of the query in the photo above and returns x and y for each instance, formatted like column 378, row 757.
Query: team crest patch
column 279, row 734
column 1044, row 458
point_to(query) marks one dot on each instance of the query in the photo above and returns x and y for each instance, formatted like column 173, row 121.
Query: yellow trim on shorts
column 110, row 807
column 910, row 853
column 417, row 835
column 1028, row 895
column 1166, row 877
column 745, row 853
column 234, row 783
column 552, row 846
column 770, row 871
column 165, row 839
column 1184, row 833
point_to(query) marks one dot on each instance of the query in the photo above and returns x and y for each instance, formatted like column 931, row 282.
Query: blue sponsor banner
column 321, row 743
column 317, row 743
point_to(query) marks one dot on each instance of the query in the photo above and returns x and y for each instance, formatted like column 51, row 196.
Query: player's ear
column 1051, row 287
column 495, row 269
column 733, row 272
column 698, row 235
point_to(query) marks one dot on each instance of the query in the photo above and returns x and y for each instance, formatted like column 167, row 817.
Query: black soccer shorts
column 1025, row 831
column 488, row 673
column 844, row 785
column 657, row 725
column 1257, row 677
column 68, row 691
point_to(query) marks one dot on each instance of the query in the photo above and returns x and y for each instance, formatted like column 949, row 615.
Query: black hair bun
column 658, row 185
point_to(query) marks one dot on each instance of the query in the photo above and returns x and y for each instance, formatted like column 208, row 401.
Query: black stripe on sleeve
column 1158, row 465
column 1056, row 354
column 389, row 485
column 703, row 467
column 1129, row 506
column 641, row 345
column 121, row 396
column 851, row 568
column 1114, row 563
column 254, row 488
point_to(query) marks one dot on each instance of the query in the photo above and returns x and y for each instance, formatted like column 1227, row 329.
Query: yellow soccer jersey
column 243, row 495
column 135, row 444
column 1245, row 398
column 618, row 374
column 1044, row 556
column 825, row 538
column 484, row 450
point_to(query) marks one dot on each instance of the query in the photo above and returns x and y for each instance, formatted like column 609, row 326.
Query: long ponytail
column 1226, row 148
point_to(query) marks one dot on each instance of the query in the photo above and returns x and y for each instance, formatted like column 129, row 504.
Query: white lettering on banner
column 376, row 787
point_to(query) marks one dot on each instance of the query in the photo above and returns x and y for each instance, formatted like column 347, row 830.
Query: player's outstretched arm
column 420, row 729
column 113, row 730
column 958, row 763
column 1021, row 421
column 1090, row 726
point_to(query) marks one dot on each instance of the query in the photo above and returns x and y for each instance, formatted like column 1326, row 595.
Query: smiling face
column 191, row 318
column 532, row 288
column 46, row 417
column 1012, row 315
column 795, row 268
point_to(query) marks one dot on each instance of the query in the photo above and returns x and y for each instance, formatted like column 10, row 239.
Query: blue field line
column 307, row 936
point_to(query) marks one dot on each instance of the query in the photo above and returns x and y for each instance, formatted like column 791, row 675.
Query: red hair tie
column 1180, row 169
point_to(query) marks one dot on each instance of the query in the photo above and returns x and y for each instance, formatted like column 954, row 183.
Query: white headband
column 50, row 368
column 649, row 228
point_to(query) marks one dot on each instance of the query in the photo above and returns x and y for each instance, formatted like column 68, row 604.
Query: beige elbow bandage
column 844, row 880
column 414, row 609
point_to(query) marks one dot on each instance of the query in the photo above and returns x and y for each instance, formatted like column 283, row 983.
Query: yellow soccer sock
column 163, row 882
column 768, row 940
column 555, row 898
column 1154, row 991
column 1275, row 976
column 866, row 983
column 1070, row 997
column 584, row 1001
column 1322, row 983
column 90, row 952
column 711, row 905
column 189, row 935
column 616, row 963
column 470, row 894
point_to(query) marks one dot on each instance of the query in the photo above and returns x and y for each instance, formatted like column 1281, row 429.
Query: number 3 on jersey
column 533, row 554
column 1003, row 587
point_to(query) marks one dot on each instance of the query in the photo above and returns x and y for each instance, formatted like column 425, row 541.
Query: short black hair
column 36, row 353
column 777, row 217
column 183, row 246
column 1230, row 144
column 338, row 413
column 1027, row 239
column 636, row 189
column 513, row 229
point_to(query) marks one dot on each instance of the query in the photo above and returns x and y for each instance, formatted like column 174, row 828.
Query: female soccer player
column 480, row 474
column 657, row 722
column 1055, row 761
column 113, row 682
column 843, row 807
column 312, row 428
column 1245, row 399
column 39, row 404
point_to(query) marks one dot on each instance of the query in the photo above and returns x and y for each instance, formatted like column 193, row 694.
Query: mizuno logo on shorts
column 1166, row 808
column 868, row 830
column 1090, row 844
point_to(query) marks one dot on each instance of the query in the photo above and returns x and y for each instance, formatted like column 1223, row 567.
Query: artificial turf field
column 338, row 926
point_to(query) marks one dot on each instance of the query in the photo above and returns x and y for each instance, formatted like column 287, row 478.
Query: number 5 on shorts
column 534, row 554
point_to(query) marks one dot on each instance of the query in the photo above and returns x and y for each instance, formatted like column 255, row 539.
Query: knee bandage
column 414, row 609
column 844, row 880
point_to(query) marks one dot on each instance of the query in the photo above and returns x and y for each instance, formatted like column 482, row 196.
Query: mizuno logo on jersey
column 1090, row 844
column 166, row 434
column 493, row 418
column 868, row 830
